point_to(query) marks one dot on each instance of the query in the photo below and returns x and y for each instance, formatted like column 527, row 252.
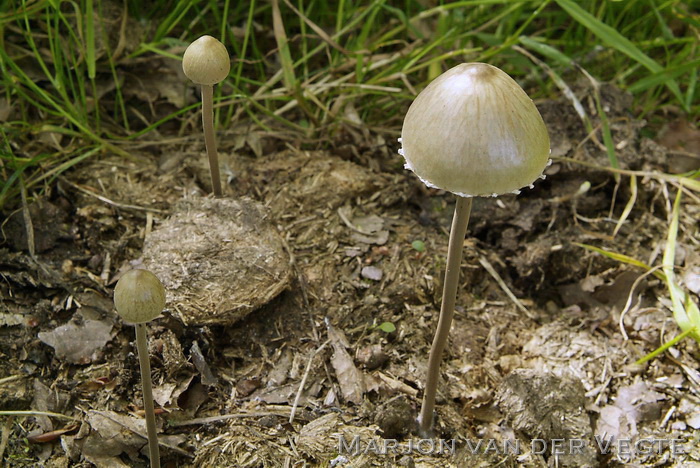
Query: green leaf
column 387, row 327
column 663, row 76
column 546, row 50
column 621, row 258
column 418, row 245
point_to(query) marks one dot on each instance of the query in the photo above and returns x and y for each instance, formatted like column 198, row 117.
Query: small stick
column 303, row 381
column 449, row 294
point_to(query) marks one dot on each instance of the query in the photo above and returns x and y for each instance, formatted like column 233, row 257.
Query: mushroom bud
column 473, row 131
column 206, row 62
column 139, row 297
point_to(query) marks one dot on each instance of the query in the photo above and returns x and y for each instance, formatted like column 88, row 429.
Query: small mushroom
column 206, row 62
column 139, row 297
column 472, row 131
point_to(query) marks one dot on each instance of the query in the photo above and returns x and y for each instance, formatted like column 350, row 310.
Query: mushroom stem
column 144, row 362
column 449, row 293
column 209, row 137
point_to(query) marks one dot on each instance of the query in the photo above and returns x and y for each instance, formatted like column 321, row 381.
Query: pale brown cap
column 473, row 131
column 139, row 296
column 206, row 61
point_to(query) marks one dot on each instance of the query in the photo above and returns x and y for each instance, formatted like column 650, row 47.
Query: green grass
column 295, row 69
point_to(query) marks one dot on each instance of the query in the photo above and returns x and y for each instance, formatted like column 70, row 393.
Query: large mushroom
column 472, row 131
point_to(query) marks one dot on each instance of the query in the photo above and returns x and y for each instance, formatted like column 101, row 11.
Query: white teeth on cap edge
column 400, row 139
column 401, row 151
column 408, row 166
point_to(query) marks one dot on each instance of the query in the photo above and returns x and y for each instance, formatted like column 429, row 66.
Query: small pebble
column 372, row 273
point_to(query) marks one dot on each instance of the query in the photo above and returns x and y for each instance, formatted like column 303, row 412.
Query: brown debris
column 219, row 260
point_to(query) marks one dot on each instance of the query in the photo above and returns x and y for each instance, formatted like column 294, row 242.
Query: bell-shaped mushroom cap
column 139, row 296
column 206, row 61
column 474, row 131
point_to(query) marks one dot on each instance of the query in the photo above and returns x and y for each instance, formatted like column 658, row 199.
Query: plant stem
column 449, row 293
column 145, row 363
column 209, row 137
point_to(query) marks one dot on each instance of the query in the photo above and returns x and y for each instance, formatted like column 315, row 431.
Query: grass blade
column 664, row 347
column 663, row 76
column 283, row 47
column 622, row 258
column 90, row 38
column 618, row 42
column 629, row 206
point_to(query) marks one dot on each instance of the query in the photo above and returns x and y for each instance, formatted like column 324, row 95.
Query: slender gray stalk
column 145, row 363
column 210, row 137
column 449, row 293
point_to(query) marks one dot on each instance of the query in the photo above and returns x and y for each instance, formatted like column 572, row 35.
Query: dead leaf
column 369, row 224
column 108, row 439
column 349, row 377
column 47, row 399
column 53, row 435
column 253, row 141
column 280, row 394
column 164, row 82
column 113, row 434
column 619, row 420
column 163, row 394
column 692, row 279
column 691, row 412
column 589, row 283
column 379, row 238
column 278, row 375
column 78, row 343
column 170, row 392
column 366, row 229
column 683, row 140
column 201, row 364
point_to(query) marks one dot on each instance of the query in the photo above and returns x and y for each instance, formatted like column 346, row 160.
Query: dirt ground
column 323, row 362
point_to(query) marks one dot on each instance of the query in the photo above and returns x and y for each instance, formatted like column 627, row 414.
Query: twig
column 224, row 417
column 110, row 202
column 37, row 413
column 5, row 436
column 630, row 296
column 303, row 380
column 688, row 182
column 28, row 225
column 11, row 378
column 488, row 267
